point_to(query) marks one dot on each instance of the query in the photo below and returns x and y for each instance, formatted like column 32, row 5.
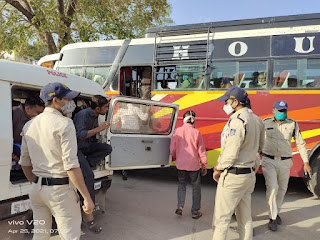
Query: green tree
column 29, row 25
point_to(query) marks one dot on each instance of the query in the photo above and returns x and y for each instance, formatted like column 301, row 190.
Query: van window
column 142, row 119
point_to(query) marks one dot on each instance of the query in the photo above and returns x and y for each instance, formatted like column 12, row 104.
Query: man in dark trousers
column 90, row 152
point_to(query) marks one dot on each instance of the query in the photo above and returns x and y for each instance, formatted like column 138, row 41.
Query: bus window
column 313, row 74
column 97, row 74
column 297, row 73
column 238, row 74
column 282, row 70
column 181, row 77
column 222, row 74
column 254, row 74
column 166, row 78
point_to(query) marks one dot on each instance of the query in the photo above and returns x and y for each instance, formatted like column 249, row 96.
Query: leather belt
column 237, row 171
column 52, row 181
column 273, row 157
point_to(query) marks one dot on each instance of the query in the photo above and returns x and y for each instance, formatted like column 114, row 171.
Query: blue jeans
column 196, row 189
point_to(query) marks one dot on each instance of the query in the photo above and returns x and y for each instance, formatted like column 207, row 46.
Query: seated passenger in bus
column 165, row 84
column 280, row 80
column 315, row 83
column 200, row 81
column 292, row 81
column 188, row 82
column 225, row 83
column 259, row 80
column 262, row 82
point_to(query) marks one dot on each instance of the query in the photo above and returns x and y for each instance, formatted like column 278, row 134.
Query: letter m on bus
column 180, row 52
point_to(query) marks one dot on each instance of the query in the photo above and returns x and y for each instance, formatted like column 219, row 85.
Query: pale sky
column 200, row 11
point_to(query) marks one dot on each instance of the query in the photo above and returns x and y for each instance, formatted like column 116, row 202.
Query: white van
column 147, row 147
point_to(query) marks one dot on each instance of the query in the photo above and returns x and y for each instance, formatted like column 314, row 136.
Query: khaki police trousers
column 276, row 174
column 233, row 194
column 62, row 202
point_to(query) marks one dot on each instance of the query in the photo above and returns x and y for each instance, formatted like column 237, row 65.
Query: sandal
column 93, row 226
column 179, row 211
column 197, row 215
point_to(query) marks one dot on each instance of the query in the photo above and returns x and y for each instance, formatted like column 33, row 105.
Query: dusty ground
column 142, row 208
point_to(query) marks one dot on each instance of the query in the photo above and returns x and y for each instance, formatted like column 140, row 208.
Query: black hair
column 189, row 113
column 33, row 101
column 248, row 103
column 98, row 101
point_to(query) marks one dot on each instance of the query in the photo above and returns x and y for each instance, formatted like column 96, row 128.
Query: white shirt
column 49, row 144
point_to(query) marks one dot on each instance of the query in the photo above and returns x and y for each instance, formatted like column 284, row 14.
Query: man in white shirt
column 49, row 161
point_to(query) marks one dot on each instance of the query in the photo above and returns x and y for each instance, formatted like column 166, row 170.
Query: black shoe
column 278, row 220
column 179, row 211
column 124, row 178
column 273, row 225
column 197, row 215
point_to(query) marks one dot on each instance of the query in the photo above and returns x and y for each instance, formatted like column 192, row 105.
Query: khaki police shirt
column 278, row 138
column 49, row 144
column 244, row 139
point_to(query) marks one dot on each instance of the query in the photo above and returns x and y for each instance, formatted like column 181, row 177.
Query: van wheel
column 314, row 183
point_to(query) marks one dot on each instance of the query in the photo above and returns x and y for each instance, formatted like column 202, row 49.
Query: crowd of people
column 58, row 156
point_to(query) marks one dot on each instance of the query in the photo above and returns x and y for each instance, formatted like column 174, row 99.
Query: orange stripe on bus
column 309, row 145
column 193, row 92
column 307, row 114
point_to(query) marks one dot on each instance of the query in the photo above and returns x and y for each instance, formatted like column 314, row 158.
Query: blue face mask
column 281, row 116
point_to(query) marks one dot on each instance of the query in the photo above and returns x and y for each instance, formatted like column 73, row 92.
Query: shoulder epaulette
column 291, row 119
column 245, row 126
column 240, row 118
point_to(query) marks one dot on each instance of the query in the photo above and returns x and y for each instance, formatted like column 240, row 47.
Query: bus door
column 126, row 81
column 140, row 133
column 135, row 81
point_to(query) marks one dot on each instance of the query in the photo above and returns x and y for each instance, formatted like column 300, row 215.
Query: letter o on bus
column 243, row 49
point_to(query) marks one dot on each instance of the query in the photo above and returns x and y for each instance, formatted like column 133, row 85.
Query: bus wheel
column 314, row 182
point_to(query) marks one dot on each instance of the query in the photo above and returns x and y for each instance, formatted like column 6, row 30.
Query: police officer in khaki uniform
column 277, row 158
column 235, row 175
column 49, row 161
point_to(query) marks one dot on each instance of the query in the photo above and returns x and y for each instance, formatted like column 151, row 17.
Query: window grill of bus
column 195, row 57
column 181, row 32
column 202, row 47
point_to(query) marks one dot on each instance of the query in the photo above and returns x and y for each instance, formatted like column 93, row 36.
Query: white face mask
column 228, row 109
column 69, row 107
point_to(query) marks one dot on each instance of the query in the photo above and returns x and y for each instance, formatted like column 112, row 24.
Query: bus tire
column 314, row 182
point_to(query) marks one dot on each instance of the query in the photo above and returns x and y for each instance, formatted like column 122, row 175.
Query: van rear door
column 140, row 133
